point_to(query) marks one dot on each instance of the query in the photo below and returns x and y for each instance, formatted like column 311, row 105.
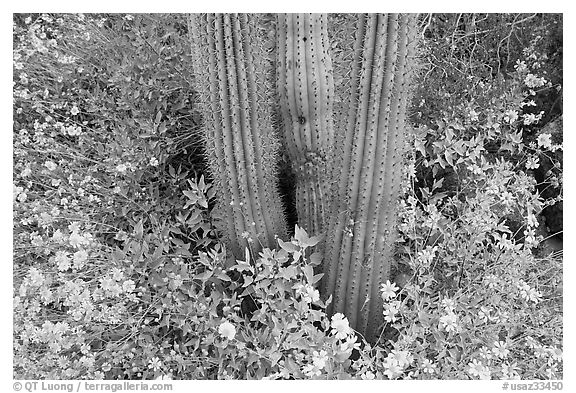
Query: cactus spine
column 234, row 94
column 305, row 87
column 368, row 148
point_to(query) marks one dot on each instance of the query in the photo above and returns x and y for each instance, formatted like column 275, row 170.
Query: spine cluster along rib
column 235, row 97
column 369, row 146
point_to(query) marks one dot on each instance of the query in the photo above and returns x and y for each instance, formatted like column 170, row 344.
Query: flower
column 311, row 370
column 17, row 191
column 531, row 342
column 368, row 375
column 121, row 168
column 475, row 368
column 484, row 313
column 533, row 295
column 36, row 277
column 26, row 171
column 74, row 111
column 128, row 286
column 319, row 359
column 520, row 66
column 507, row 198
column 308, row 293
column 545, row 141
column 117, row 274
column 428, row 366
column 178, row 281
column 500, row 349
column 80, row 257
column 107, row 283
column 388, row 290
column 551, row 372
column 533, row 81
column 74, row 227
column 74, row 130
column 532, row 163
column 50, row 165
column 555, row 353
column 448, row 304
column 402, row 358
column 530, row 118
column 509, row 370
column 485, row 373
column 540, row 351
column 449, row 322
column 427, row 255
column 62, row 261
column 485, row 353
column 510, row 116
column 390, row 313
column 340, row 326
column 76, row 239
column 227, row 330
column 154, row 161
column 391, row 309
column 155, row 364
column 349, row 344
column 528, row 293
column 392, row 369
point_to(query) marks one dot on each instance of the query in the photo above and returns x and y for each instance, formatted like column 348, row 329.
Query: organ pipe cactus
column 345, row 141
column 305, row 88
column 232, row 82
column 368, row 153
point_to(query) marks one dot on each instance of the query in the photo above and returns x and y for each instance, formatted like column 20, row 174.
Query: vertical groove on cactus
column 401, row 90
column 305, row 87
column 228, row 61
column 372, row 140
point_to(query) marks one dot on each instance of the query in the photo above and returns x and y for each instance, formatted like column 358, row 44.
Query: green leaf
column 449, row 157
column 288, row 273
column 316, row 259
column 300, row 234
column 221, row 275
column 274, row 357
column 308, row 273
column 204, row 276
column 242, row 266
column 202, row 184
column 287, row 246
column 247, row 255
column 437, row 184
column 203, row 202
column 139, row 230
column 248, row 291
column 317, row 278
column 192, row 196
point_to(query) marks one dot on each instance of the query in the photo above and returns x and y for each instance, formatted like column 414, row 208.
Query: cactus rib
column 305, row 88
column 369, row 178
column 228, row 64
